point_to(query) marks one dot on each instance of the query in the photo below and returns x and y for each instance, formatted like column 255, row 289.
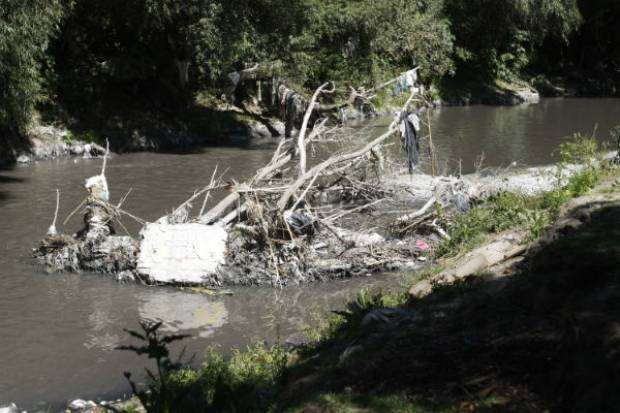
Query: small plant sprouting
column 615, row 138
column 155, row 398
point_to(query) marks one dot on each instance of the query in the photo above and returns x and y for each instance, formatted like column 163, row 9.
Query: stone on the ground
column 23, row 159
column 527, row 96
column 79, row 404
column 11, row 408
column 182, row 253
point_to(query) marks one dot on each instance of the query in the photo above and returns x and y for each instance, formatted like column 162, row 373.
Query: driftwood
column 301, row 146
column 316, row 170
column 294, row 220
column 276, row 221
column 508, row 246
column 278, row 161
column 51, row 231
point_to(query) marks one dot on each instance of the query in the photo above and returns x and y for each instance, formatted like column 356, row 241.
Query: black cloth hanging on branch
column 409, row 130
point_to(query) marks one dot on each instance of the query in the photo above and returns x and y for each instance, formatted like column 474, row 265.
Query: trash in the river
column 290, row 223
column 209, row 291
column 79, row 404
column 423, row 246
column 11, row 408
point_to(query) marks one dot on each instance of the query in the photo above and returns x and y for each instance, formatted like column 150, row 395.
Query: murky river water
column 58, row 331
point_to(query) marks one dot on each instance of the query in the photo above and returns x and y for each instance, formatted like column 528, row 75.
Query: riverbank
column 47, row 141
column 90, row 326
column 54, row 134
column 520, row 91
column 209, row 122
column 252, row 238
column 532, row 334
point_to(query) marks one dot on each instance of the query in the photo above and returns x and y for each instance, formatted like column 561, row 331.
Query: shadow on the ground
column 546, row 338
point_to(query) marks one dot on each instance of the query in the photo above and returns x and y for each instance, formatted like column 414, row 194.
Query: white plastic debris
column 79, row 404
column 11, row 408
column 181, row 253
column 98, row 186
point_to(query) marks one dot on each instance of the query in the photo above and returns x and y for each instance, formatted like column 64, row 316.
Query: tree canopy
column 25, row 30
column 87, row 52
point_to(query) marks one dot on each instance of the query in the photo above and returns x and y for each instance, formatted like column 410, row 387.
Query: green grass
column 346, row 403
column 241, row 383
column 499, row 213
column 392, row 402
column 510, row 211
column 88, row 136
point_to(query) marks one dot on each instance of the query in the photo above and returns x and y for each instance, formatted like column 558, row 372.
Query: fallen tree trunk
column 278, row 161
column 480, row 259
column 301, row 146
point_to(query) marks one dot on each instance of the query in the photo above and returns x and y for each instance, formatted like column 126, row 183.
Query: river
column 58, row 331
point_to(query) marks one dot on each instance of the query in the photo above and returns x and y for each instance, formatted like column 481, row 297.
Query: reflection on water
column 58, row 331
column 198, row 312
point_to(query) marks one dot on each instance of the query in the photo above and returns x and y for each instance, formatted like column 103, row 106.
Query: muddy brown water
column 58, row 331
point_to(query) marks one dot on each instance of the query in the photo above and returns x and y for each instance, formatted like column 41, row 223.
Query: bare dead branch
column 301, row 147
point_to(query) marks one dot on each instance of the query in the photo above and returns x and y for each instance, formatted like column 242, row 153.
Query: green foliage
column 69, row 137
column 497, row 38
column 237, row 384
column 579, row 149
column 364, row 41
column 240, row 384
column 500, row 213
column 582, row 150
column 325, row 328
column 552, row 201
column 508, row 210
column 348, row 319
column 160, row 55
column 160, row 396
column 415, row 32
column 582, row 182
column 25, row 30
column 509, row 65
column 364, row 302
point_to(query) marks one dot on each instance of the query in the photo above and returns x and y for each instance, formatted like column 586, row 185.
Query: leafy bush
column 579, row 149
column 25, row 31
column 159, row 396
column 498, row 213
column 242, row 383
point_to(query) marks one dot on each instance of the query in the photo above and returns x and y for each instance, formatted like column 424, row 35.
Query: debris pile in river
column 343, row 213
column 96, row 247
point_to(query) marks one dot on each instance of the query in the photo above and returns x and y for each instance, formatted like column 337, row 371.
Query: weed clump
column 508, row 211
column 243, row 383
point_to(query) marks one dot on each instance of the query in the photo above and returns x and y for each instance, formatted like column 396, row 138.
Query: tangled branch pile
column 340, row 213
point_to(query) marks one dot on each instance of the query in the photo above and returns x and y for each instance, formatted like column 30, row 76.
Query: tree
column 498, row 38
column 26, row 27
column 412, row 33
column 190, row 31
